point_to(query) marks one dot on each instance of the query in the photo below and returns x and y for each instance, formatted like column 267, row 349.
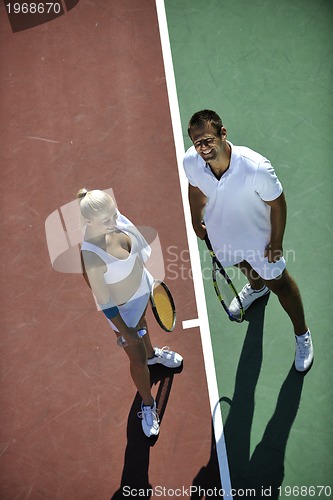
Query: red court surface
column 84, row 103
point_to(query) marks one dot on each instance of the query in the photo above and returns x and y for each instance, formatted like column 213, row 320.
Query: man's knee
column 282, row 285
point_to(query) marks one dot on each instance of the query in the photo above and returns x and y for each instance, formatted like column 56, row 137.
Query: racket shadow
column 137, row 454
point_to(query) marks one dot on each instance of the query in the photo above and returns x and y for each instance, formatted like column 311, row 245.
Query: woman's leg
column 138, row 355
column 146, row 338
column 139, row 371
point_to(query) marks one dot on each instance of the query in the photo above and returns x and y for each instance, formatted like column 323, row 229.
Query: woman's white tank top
column 117, row 269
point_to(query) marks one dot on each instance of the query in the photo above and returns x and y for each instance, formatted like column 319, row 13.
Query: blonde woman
column 113, row 253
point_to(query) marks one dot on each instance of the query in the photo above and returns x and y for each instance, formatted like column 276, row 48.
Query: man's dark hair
column 201, row 118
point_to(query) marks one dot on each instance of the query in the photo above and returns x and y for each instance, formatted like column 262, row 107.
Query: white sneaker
column 247, row 295
column 304, row 352
column 150, row 420
column 165, row 357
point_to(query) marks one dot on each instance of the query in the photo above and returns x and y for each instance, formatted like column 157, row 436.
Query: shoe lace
column 247, row 290
column 303, row 348
column 159, row 351
column 148, row 414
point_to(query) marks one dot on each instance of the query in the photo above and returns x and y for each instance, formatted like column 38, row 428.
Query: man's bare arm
column 198, row 202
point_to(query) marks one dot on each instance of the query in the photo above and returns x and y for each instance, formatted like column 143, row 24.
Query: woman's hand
column 131, row 336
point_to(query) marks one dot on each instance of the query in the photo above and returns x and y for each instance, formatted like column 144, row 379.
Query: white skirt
column 132, row 311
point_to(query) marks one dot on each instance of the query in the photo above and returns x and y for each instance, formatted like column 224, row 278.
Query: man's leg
column 289, row 296
column 252, row 291
column 253, row 277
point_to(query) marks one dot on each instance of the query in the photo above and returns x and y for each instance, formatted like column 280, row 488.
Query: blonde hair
column 94, row 202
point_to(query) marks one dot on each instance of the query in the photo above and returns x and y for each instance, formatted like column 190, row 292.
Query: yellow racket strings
column 163, row 307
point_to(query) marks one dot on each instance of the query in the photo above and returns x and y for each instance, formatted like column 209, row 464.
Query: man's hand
column 273, row 251
column 200, row 231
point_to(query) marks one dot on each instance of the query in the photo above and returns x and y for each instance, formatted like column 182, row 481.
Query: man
column 238, row 195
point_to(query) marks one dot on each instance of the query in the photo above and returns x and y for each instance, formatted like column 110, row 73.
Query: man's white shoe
column 304, row 352
column 166, row 357
column 247, row 295
column 150, row 420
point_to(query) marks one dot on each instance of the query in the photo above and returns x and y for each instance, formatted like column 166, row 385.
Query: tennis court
column 100, row 97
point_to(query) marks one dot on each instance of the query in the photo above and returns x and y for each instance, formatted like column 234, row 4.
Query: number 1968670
column 34, row 8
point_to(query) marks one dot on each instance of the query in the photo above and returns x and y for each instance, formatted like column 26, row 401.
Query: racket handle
column 121, row 342
column 208, row 243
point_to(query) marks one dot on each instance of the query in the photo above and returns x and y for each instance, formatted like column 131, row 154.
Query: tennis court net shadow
column 136, row 463
column 263, row 471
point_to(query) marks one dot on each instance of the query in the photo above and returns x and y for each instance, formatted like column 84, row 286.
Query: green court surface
column 266, row 68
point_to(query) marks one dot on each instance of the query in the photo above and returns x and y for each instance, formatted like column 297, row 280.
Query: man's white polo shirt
column 236, row 215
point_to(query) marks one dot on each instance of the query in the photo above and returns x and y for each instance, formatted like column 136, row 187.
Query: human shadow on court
column 136, row 463
column 263, row 471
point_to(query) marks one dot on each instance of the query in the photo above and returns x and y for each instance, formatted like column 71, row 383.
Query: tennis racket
column 163, row 305
column 224, row 288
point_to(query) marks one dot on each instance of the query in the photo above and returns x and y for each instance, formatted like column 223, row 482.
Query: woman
column 113, row 253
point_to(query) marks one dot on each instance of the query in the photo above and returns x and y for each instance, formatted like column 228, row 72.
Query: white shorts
column 267, row 270
column 132, row 311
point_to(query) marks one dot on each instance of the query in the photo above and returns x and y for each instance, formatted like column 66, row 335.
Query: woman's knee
column 137, row 355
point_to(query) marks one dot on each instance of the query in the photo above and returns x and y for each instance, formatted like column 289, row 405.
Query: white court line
column 194, row 255
column 190, row 323
column 43, row 139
